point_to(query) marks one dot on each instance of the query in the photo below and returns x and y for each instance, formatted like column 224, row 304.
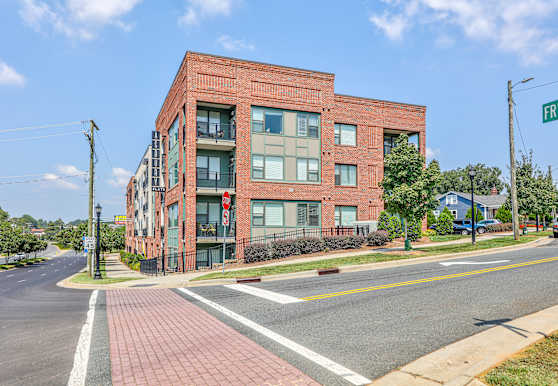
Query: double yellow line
column 428, row 279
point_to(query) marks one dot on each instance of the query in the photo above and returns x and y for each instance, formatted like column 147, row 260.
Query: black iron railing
column 215, row 180
column 216, row 131
column 149, row 266
column 213, row 230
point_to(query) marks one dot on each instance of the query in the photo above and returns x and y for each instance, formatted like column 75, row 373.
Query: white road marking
column 43, row 274
column 473, row 262
column 269, row 295
column 9, row 276
column 81, row 357
column 328, row 364
column 21, row 281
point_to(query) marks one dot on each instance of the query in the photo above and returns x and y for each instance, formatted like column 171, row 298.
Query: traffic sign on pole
column 226, row 201
column 225, row 218
column 550, row 112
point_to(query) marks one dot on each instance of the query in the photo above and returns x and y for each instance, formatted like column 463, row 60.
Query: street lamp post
column 97, row 250
column 473, row 230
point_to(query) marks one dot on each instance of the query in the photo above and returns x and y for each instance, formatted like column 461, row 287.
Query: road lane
column 374, row 332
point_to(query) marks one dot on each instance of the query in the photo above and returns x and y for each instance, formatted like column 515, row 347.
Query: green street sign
column 550, row 112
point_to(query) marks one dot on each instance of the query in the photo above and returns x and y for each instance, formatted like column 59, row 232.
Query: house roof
column 490, row 201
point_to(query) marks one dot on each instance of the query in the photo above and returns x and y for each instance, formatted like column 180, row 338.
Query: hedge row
column 378, row 238
column 284, row 248
column 131, row 260
column 507, row 227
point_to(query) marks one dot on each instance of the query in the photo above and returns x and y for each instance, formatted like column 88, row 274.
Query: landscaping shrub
column 343, row 242
column 507, row 227
column 309, row 245
column 414, row 230
column 394, row 228
column 504, row 215
column 429, row 233
column 430, row 219
column 283, row 248
column 445, row 223
column 377, row 238
column 383, row 221
column 256, row 252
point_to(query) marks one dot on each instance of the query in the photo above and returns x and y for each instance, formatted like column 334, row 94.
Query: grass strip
column 538, row 365
column 84, row 278
column 441, row 238
column 371, row 258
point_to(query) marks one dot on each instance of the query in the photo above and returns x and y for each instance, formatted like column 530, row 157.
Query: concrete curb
column 460, row 363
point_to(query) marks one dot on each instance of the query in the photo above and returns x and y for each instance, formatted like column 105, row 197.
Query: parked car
column 555, row 229
column 462, row 226
column 481, row 225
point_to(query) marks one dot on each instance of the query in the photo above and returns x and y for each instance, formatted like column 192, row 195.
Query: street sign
column 89, row 243
column 226, row 201
column 225, row 218
column 120, row 220
column 158, row 189
column 550, row 112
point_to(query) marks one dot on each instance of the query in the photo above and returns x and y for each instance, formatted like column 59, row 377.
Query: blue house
column 459, row 203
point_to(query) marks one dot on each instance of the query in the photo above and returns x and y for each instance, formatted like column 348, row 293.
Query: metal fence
column 206, row 179
column 149, row 266
column 213, row 230
column 216, row 131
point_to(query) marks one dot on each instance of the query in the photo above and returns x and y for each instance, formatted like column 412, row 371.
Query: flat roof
column 379, row 100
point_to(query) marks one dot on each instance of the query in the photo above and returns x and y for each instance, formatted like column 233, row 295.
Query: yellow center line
column 429, row 279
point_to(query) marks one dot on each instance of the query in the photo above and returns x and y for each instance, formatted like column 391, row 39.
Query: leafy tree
column 478, row 214
column 408, row 186
column 4, row 216
column 430, row 219
column 9, row 242
column 503, row 214
column 414, row 230
column 458, row 180
column 527, row 185
column 444, row 226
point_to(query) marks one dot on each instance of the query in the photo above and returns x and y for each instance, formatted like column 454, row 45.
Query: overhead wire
column 519, row 127
column 537, row 86
column 50, row 178
column 41, row 126
column 40, row 137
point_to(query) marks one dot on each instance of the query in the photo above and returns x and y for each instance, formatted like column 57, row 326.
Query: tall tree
column 458, row 180
column 4, row 216
column 409, row 187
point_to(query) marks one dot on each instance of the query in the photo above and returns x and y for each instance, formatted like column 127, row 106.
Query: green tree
column 4, row 216
column 383, row 221
column 526, row 173
column 430, row 219
column 9, row 242
column 478, row 214
column 444, row 226
column 409, row 187
column 503, row 214
column 458, row 180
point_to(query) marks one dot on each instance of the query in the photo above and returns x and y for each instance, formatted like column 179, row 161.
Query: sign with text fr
column 550, row 112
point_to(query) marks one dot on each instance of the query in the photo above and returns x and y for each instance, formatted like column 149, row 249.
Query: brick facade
column 242, row 84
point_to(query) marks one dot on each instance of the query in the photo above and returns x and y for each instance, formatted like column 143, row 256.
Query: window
column 436, row 213
column 451, row 199
column 209, row 168
column 267, row 167
column 173, row 215
column 257, row 120
column 345, row 215
column 270, row 121
column 389, row 143
column 308, row 214
column 345, row 134
column 173, row 175
column 267, row 214
column 345, row 175
column 454, row 213
column 414, row 139
column 307, row 125
column 307, row 169
column 208, row 123
column 208, row 212
column 173, row 133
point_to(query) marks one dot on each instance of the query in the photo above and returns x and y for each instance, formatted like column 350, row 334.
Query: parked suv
column 481, row 225
column 462, row 226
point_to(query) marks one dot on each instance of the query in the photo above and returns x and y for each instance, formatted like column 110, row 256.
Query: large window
column 308, row 214
column 173, row 133
column 308, row 125
column 173, row 215
column 267, row 167
column 267, row 214
column 208, row 168
column 269, row 121
column 208, row 212
column 208, row 122
column 390, row 139
column 345, row 175
column 173, row 174
column 345, row 134
column 451, row 199
column 345, row 215
column 307, row 169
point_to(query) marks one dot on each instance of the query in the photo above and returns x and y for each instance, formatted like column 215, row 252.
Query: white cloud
column 521, row 27
column 69, row 170
column 58, row 181
column 230, row 44
column 197, row 10
column 9, row 76
column 80, row 19
column 431, row 153
column 120, row 177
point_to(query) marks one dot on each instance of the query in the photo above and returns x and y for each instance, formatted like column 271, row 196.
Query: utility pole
column 91, row 138
column 513, row 187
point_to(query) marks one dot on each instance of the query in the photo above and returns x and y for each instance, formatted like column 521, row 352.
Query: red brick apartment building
column 292, row 153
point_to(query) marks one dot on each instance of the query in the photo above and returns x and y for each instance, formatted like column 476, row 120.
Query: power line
column 519, row 127
column 41, row 127
column 25, row 175
column 50, row 178
column 540, row 85
column 39, row 137
column 105, row 151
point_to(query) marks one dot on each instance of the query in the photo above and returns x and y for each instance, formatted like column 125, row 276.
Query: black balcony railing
column 149, row 267
column 215, row 180
column 144, row 232
column 213, row 230
column 216, row 131
column 135, row 233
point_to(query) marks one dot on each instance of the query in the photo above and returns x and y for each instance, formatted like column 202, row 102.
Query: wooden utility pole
column 513, row 187
column 91, row 137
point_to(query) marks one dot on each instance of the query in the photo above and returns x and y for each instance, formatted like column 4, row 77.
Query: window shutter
column 274, row 214
column 274, row 168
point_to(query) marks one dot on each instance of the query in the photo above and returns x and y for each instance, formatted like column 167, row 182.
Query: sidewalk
column 158, row 337
column 115, row 268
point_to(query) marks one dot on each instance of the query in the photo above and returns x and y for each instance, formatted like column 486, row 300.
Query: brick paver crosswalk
column 159, row 338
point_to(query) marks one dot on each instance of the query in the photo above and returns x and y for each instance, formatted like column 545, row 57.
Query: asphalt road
column 40, row 323
column 375, row 331
column 49, row 252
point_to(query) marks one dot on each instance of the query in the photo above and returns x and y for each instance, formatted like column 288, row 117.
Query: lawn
column 84, row 278
column 440, row 238
column 538, row 365
column 372, row 258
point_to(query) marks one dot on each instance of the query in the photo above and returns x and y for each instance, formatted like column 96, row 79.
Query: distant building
column 40, row 232
column 458, row 203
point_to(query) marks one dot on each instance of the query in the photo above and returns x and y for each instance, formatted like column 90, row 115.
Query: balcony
column 213, row 232
column 214, row 183
column 144, row 232
column 216, row 136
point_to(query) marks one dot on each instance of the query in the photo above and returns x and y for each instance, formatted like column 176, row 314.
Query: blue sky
column 113, row 61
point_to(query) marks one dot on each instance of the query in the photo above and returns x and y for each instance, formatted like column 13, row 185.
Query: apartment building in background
column 291, row 152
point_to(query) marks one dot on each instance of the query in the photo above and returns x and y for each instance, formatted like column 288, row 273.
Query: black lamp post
column 473, row 209
column 97, row 250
